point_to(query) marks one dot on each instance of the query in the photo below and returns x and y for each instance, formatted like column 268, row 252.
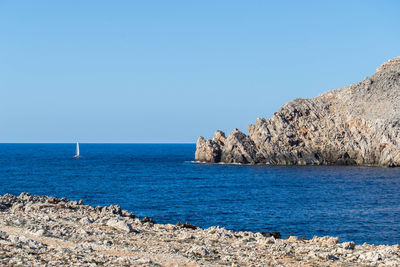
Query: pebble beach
column 48, row 231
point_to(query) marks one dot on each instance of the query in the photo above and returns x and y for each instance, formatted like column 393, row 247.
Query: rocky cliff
column 354, row 125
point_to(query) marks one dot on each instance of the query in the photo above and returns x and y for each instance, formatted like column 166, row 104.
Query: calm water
column 159, row 180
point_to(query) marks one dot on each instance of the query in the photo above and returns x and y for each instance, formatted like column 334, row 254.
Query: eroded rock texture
column 48, row 231
column 354, row 125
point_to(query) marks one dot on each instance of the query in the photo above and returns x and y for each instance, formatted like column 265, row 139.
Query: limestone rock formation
column 354, row 125
column 210, row 150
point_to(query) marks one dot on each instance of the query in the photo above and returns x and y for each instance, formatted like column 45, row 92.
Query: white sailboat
column 77, row 150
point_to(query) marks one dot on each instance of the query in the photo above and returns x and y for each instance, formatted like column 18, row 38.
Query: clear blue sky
column 169, row 71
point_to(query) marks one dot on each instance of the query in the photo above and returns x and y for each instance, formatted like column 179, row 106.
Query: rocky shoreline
column 48, row 231
column 354, row 125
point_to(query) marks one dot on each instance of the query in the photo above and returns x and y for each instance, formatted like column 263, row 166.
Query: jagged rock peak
column 219, row 137
column 354, row 125
column 390, row 63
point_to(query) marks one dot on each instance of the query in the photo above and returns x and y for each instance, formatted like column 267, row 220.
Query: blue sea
column 161, row 181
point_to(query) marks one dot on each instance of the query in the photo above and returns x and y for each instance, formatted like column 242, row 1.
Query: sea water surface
column 361, row 204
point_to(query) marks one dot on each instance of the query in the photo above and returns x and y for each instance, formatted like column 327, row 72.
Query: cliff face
column 354, row 125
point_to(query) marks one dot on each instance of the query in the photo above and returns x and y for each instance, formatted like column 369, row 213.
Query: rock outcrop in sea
column 354, row 125
column 48, row 231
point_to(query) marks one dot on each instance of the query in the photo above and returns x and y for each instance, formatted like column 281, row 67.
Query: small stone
column 126, row 213
column 85, row 221
column 148, row 220
column 169, row 227
column 332, row 257
column 349, row 245
column 16, row 207
column 82, row 232
column 121, row 225
column 276, row 235
column 107, row 242
column 371, row 256
column 40, row 232
column 197, row 250
column 292, row 238
column 52, row 200
column 143, row 261
column 187, row 225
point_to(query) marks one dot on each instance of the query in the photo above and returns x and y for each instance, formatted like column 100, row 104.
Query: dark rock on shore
column 186, row 225
column 355, row 125
column 148, row 220
column 277, row 235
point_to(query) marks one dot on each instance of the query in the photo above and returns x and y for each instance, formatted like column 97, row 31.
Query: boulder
column 120, row 225
column 210, row 150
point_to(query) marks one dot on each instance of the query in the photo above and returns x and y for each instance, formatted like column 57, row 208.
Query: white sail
column 77, row 150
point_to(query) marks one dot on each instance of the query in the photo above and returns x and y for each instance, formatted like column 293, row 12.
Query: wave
column 220, row 163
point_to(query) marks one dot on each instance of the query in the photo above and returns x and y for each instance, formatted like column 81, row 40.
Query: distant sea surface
column 361, row 204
